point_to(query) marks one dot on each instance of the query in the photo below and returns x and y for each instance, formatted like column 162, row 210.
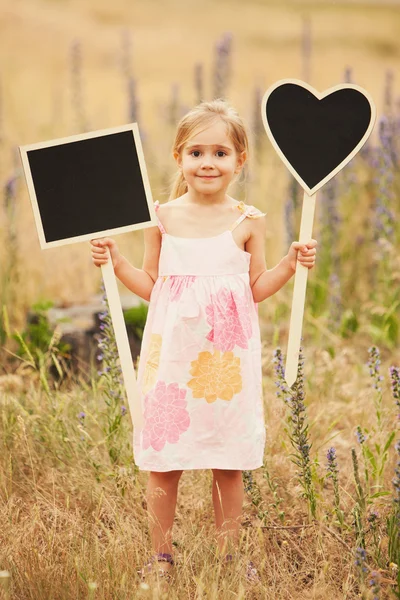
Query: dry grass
column 168, row 39
column 66, row 523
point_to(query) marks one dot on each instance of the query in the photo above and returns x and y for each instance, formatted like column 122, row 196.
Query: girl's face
column 209, row 160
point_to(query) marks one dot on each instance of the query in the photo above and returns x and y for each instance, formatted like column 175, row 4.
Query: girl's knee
column 227, row 473
column 167, row 475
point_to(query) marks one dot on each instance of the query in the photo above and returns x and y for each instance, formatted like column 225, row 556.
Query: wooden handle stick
column 299, row 293
column 121, row 338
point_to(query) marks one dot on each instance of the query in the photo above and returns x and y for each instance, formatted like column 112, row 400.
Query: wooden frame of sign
column 312, row 175
column 89, row 186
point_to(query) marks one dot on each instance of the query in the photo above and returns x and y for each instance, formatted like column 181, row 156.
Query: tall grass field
column 321, row 518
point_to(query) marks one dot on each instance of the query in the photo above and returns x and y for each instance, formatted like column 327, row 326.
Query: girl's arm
column 141, row 281
column 137, row 281
column 264, row 282
column 271, row 280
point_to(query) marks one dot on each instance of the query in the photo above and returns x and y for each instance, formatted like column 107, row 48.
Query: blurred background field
column 72, row 507
column 70, row 66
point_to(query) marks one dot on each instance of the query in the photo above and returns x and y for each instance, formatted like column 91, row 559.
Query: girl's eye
column 196, row 153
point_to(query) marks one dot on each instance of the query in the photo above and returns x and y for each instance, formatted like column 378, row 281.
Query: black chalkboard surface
column 88, row 186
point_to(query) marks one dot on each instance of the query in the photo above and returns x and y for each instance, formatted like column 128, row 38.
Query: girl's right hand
column 99, row 251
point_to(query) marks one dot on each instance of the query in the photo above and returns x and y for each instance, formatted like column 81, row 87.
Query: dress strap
column 250, row 211
column 160, row 225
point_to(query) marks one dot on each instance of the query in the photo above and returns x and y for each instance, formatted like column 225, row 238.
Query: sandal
column 251, row 573
column 149, row 567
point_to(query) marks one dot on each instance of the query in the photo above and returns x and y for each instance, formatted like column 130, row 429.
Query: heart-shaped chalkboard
column 316, row 134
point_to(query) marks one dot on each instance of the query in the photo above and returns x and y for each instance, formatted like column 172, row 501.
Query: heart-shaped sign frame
column 320, row 96
column 320, row 140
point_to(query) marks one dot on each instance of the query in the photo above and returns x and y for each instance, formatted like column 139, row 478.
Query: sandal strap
column 165, row 557
column 159, row 557
column 252, row 575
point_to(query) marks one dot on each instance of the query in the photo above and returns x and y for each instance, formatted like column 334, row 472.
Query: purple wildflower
column 348, row 74
column 306, row 48
column 395, row 385
column 359, row 489
column 330, row 228
column 360, row 560
column 361, row 438
column 199, row 81
column 335, row 302
column 248, row 477
column 77, row 87
column 10, row 192
column 375, row 583
column 396, row 479
column 133, row 104
column 332, row 465
column 289, row 219
column 374, row 362
column 384, row 179
column 173, row 107
column 110, row 365
column 330, row 218
column 257, row 124
column 333, row 473
column 291, row 205
column 280, row 375
column 222, row 66
column 299, row 434
column 388, row 93
column 373, row 516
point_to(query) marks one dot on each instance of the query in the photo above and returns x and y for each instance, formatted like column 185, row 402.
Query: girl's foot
column 252, row 575
column 250, row 572
column 160, row 563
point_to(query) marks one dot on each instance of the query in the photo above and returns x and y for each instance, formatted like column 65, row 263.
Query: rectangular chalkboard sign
column 88, row 186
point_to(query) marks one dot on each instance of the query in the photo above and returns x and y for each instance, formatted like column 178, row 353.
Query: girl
column 199, row 373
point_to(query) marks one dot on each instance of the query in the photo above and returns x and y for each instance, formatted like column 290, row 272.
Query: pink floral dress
column 199, row 372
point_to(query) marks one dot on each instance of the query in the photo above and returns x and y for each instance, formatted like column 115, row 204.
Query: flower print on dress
column 152, row 362
column 165, row 415
column 215, row 375
column 228, row 315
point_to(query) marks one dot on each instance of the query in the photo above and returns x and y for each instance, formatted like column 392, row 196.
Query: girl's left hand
column 304, row 253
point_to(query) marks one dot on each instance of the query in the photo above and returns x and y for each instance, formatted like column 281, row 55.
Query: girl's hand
column 99, row 251
column 304, row 253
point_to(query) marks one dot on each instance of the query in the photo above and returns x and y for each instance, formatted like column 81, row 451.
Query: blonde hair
column 200, row 117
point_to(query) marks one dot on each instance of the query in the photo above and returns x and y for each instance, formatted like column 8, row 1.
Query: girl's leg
column 228, row 496
column 161, row 495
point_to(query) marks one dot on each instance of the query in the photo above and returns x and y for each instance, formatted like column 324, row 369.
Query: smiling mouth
column 208, row 176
